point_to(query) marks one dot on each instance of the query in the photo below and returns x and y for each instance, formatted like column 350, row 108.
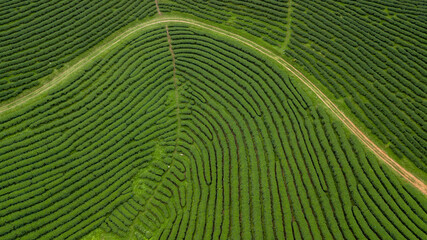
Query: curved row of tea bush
column 38, row 37
column 257, row 153
column 370, row 53
column 67, row 160
column 263, row 158
column 264, row 19
column 237, row 150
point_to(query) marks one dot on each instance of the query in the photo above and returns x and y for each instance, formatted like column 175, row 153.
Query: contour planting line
column 381, row 154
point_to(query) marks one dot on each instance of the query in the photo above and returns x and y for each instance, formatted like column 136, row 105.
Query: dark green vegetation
column 205, row 138
column 265, row 19
column 243, row 153
column 371, row 54
column 37, row 37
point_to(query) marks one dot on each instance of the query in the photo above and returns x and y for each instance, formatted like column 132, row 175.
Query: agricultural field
column 163, row 119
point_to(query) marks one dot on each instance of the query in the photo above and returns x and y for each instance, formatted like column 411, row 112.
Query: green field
column 213, row 119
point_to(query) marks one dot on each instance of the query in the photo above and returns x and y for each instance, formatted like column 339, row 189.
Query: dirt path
column 288, row 26
column 77, row 66
column 175, row 80
column 175, row 84
column 157, row 7
column 417, row 183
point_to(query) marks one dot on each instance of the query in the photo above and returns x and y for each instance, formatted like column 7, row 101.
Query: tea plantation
column 213, row 119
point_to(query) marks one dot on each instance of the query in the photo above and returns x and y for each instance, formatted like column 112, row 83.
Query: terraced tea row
column 37, row 37
column 252, row 156
column 264, row 19
column 288, row 155
column 68, row 160
column 364, row 54
column 367, row 53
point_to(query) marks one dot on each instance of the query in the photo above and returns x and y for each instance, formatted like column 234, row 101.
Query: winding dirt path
column 417, row 183
column 77, row 66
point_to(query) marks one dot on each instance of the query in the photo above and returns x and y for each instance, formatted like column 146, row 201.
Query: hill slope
column 171, row 130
